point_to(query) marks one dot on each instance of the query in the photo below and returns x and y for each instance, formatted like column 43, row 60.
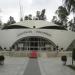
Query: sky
column 12, row 8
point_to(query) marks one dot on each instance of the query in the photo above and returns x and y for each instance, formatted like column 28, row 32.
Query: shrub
column 2, row 59
column 64, row 58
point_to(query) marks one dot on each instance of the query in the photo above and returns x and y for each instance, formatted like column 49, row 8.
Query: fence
column 40, row 53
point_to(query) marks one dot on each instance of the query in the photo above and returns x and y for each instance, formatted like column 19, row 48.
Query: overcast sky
column 12, row 8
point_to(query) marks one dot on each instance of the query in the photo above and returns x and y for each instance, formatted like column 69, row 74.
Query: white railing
column 40, row 53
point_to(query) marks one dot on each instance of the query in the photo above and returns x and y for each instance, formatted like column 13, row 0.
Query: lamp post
column 57, row 48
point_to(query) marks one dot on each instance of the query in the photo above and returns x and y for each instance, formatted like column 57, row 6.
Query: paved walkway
column 14, row 66
column 40, row 66
column 32, row 68
column 54, row 66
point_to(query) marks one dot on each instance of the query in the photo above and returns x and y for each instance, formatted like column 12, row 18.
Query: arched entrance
column 71, row 46
column 33, row 43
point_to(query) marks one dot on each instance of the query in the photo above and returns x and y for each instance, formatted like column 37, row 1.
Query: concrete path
column 32, row 68
column 13, row 66
column 40, row 66
column 54, row 66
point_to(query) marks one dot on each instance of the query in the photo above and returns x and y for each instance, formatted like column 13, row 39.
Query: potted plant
column 64, row 59
column 2, row 59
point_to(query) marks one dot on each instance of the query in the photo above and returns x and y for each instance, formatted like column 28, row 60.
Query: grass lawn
column 71, row 66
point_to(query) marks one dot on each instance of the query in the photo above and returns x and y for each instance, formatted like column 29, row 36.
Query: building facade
column 36, row 35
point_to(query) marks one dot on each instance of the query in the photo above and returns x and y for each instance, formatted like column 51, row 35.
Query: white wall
column 61, row 38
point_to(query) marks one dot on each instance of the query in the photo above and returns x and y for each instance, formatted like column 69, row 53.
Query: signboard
column 40, row 32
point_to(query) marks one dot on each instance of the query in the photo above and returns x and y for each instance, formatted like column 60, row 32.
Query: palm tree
column 70, row 6
column 62, row 14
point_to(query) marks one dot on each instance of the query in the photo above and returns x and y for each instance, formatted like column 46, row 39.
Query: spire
column 21, row 10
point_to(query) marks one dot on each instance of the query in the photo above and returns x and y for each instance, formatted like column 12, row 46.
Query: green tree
column 42, row 16
column 38, row 15
column 70, row 6
column 21, row 19
column 54, row 19
column 30, row 17
column 26, row 18
column 62, row 14
column 71, row 25
column 11, row 20
column 0, row 23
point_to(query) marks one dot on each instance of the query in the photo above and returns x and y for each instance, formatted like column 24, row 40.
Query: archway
column 34, row 43
column 71, row 46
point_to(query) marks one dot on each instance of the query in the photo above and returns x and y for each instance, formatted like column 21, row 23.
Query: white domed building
column 36, row 35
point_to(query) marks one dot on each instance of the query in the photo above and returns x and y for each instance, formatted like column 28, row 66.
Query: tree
column 42, row 16
column 62, row 14
column 30, row 17
column 0, row 23
column 71, row 25
column 38, row 15
column 21, row 19
column 26, row 18
column 54, row 19
column 11, row 20
column 70, row 6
